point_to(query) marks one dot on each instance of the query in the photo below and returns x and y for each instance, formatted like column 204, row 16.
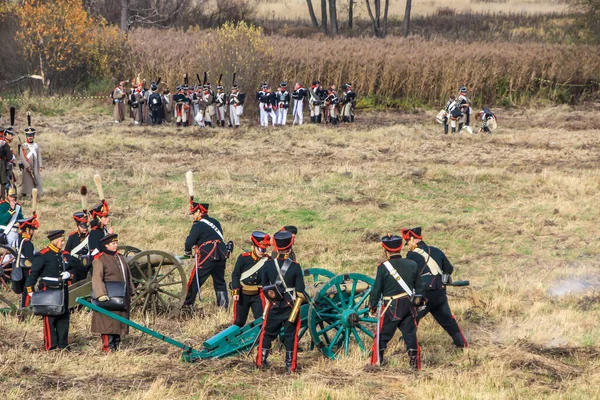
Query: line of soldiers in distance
column 201, row 106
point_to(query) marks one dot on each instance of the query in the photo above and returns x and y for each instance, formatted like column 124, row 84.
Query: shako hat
column 30, row 222
column 203, row 207
column 290, row 228
column 80, row 218
column 235, row 87
column 29, row 131
column 283, row 240
column 153, row 86
column 12, row 192
column 113, row 237
column 260, row 239
column 101, row 210
column 392, row 243
column 407, row 233
column 55, row 234
column 283, row 84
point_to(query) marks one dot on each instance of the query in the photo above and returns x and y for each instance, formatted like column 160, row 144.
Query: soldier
column 10, row 213
column 245, row 280
column 294, row 231
column 268, row 102
column 209, row 98
column 100, row 220
column 331, row 102
column 397, row 289
column 137, row 105
column 488, row 118
column 465, row 107
column 205, row 242
column 348, row 103
column 282, row 103
column 167, row 105
column 282, row 280
column 110, row 266
column 315, row 101
column 8, row 160
column 236, row 106
column 30, row 162
column 220, row 106
column 299, row 94
column 182, row 106
column 435, row 271
column 78, row 246
column 118, row 98
column 259, row 95
column 452, row 115
column 155, row 105
column 25, row 254
column 52, row 266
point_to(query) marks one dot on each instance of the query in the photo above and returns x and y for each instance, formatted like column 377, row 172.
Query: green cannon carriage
column 335, row 315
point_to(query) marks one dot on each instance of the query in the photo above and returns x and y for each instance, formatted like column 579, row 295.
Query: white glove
column 65, row 275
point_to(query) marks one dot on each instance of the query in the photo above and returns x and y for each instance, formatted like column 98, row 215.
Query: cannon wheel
column 341, row 317
column 7, row 255
column 160, row 281
column 318, row 275
column 128, row 251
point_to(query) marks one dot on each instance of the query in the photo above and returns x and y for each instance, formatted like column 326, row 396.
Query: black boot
column 381, row 359
column 352, row 118
column 208, row 123
column 289, row 355
column 346, row 119
column 223, row 124
column 312, row 120
column 453, row 130
column 415, row 359
column 319, row 119
column 116, row 342
column 460, row 125
column 459, row 341
column 222, row 299
column 445, row 128
column 263, row 358
column 334, row 121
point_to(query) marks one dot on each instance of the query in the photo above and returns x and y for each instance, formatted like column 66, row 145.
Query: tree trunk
column 378, row 15
column 311, row 12
column 373, row 21
column 333, row 17
column 125, row 15
column 385, row 17
column 407, row 17
column 350, row 13
column 324, row 16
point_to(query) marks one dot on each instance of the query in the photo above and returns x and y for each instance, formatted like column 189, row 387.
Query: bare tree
column 333, row 17
column 125, row 15
column 311, row 12
column 324, row 16
column 406, row 22
column 379, row 25
column 350, row 13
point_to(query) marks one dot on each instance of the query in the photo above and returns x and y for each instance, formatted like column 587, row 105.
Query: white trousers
column 281, row 116
column 234, row 118
column 297, row 111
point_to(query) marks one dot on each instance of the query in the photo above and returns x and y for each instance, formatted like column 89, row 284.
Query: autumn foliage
column 59, row 36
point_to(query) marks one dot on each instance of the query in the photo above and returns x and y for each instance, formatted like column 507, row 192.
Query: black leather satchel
column 49, row 302
column 275, row 292
column 116, row 292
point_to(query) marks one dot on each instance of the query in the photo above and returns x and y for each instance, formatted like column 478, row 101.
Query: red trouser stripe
column 374, row 352
column 262, row 336
column 47, row 336
column 262, row 299
column 105, row 347
column 234, row 311
column 191, row 280
column 295, row 354
column 461, row 334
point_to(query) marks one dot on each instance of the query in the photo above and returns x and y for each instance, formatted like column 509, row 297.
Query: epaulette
column 246, row 254
column 44, row 251
column 65, row 252
column 2, row 201
column 73, row 233
column 97, row 256
column 95, row 228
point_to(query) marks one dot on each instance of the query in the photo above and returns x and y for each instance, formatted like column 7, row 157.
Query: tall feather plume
column 158, row 81
column 83, row 192
column 98, row 182
column 34, row 194
column 189, row 179
column 205, row 78
column 13, row 113
column 219, row 81
column 233, row 83
column 28, row 118
column 198, row 77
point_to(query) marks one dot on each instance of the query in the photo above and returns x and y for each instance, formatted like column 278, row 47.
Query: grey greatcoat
column 31, row 157
column 107, row 268
column 119, row 99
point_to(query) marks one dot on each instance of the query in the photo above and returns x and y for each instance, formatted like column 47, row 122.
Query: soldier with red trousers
column 282, row 280
column 52, row 267
column 245, row 280
column 435, row 270
column 394, row 297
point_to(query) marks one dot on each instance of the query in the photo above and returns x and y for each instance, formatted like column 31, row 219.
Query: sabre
column 378, row 332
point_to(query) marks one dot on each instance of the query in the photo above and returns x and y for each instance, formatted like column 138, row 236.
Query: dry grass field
column 297, row 9
column 516, row 212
